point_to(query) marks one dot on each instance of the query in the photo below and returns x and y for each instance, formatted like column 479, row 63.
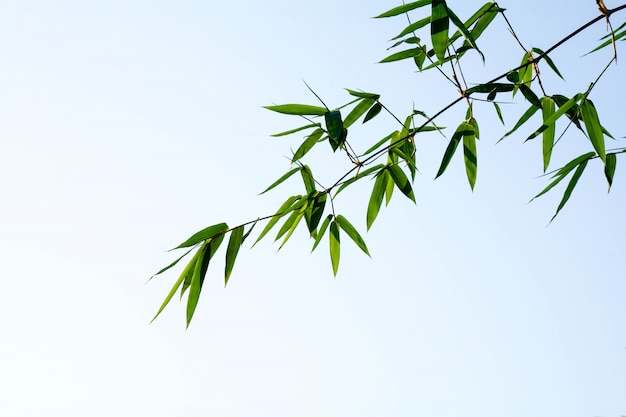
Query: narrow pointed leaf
column 525, row 117
column 376, row 199
column 307, row 145
column 499, row 112
column 293, row 217
column 360, row 175
column 469, row 153
column 389, row 186
column 530, row 95
column 413, row 27
column 171, row 265
column 609, row 168
column 307, row 178
column 293, row 227
column 298, row 109
column 373, row 112
column 363, row 94
column 315, row 211
column 547, row 108
column 281, row 179
column 563, row 171
column 466, row 33
column 203, row 234
column 334, row 243
column 287, row 207
column 352, row 232
column 549, row 62
column 196, row 285
column 249, row 230
column 555, row 116
column 570, row 187
column 379, row 143
column 593, row 127
column 298, row 129
column 439, row 28
column 358, row 111
column 322, row 230
column 463, row 129
column 406, row 54
column 403, row 9
column 234, row 244
column 402, row 182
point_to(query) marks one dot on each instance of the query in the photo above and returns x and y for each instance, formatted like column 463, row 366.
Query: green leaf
column 358, row 111
column 439, row 24
column 360, row 175
column 203, row 234
column 362, row 94
column 315, row 211
column 401, row 181
column 609, row 168
column 234, row 243
column 334, row 124
column 570, row 187
column 469, row 152
column 298, row 109
column 352, row 232
column 298, row 216
column 555, row 116
column 530, row 95
column 525, row 117
column 307, row 178
column 379, row 143
column 307, row 145
column 610, row 41
column 398, row 56
column 321, row 232
column 547, row 108
column 287, row 207
column 376, row 199
column 489, row 87
column 334, row 246
column 572, row 113
column 403, row 9
column 563, row 171
column 196, row 285
column 281, row 179
column 466, row 33
column 498, row 112
column 389, row 186
column 295, row 215
column 171, row 265
column 373, row 112
column 413, row 27
column 593, row 127
column 549, row 62
column 298, row 129
column 463, row 129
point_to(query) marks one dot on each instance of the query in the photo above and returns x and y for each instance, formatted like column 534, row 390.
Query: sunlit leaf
column 352, row 232
column 593, row 127
column 376, row 199
column 287, row 207
column 307, row 178
column 322, row 230
column 281, row 179
column 404, row 8
column 334, row 244
column 570, row 187
column 413, row 27
column 547, row 109
column 469, row 153
column 171, row 265
column 439, row 28
column 379, row 143
column 196, row 285
column 466, row 33
column 389, row 186
column 525, row 117
column 563, row 171
column 298, row 109
column 307, row 145
column 360, row 175
column 234, row 243
column 555, row 116
column 358, row 111
column 298, row 129
column 408, row 53
column 548, row 61
column 363, row 94
column 203, row 234
column 401, row 181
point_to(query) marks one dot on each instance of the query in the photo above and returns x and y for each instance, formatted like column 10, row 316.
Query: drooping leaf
column 389, row 186
column 401, row 181
column 613, row 35
column 609, row 168
column 358, row 111
column 464, row 30
column 322, row 230
column 593, row 127
column 298, row 129
column 376, row 199
column 463, row 129
column 196, row 285
column 439, row 28
column 314, row 213
column 563, row 171
column 547, row 109
column 549, row 62
column 469, row 153
column 307, row 178
column 334, row 124
column 363, row 94
column 298, row 109
column 307, row 145
column 352, row 232
column 570, row 187
column 281, row 179
column 234, row 243
column 403, row 9
column 203, row 234
column 299, row 215
column 530, row 95
column 373, row 112
column 288, row 206
column 334, row 243
column 498, row 112
column 555, row 116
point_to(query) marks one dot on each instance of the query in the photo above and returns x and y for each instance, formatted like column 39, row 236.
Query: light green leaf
column 401, row 181
column 389, row 186
column 376, row 199
column 287, row 207
column 334, row 246
column 439, row 28
column 408, row 53
column 307, row 145
column 593, row 127
column 563, row 171
column 171, row 265
column 403, row 9
column 307, row 178
column 352, row 232
column 234, row 243
column 196, row 285
column 322, row 230
column 363, row 94
column 281, row 179
column 360, row 175
column 203, row 234
column 525, row 117
column 547, row 108
column 358, row 111
column 413, row 27
column 469, row 153
column 298, row 109
column 466, row 33
column 570, row 187
column 379, row 143
column 298, row 129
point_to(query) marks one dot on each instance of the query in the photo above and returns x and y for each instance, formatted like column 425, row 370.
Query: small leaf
column 171, row 265
column 413, row 27
column 281, row 179
column 463, row 129
column 401, row 181
column 403, row 9
column 593, row 127
column 307, row 178
column 373, row 112
column 549, row 62
column 498, row 112
column 334, row 246
column 362, row 94
column 287, row 207
column 466, row 33
column 358, row 111
column 530, row 95
column 298, row 109
column 398, row 56
column 376, row 199
column 360, row 175
column 489, row 87
column 547, row 108
column 563, row 171
column 609, row 168
column 389, row 186
column 439, row 24
column 379, row 143
column 234, row 243
column 203, row 234
column 334, row 124
column 314, row 214
column 352, row 232
column 307, row 145
column 298, row 129
column 525, row 117
column 555, row 116
column 570, row 187
column 322, row 230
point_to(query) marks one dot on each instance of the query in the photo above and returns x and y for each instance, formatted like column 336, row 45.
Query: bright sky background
column 125, row 126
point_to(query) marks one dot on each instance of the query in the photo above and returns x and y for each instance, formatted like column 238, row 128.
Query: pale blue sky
column 125, row 126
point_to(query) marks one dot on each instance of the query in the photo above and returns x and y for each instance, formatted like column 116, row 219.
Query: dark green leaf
column 527, row 115
column 401, row 181
column 466, row 33
column 203, row 234
column 513, row 77
column 334, row 124
column 373, row 112
column 298, row 129
column 334, row 246
column 234, row 243
column 563, row 171
column 549, row 62
column 315, row 211
column 469, row 152
column 321, row 232
column 609, row 167
column 281, row 179
column 439, row 24
column 352, row 232
column 463, row 129
column 570, row 187
column 499, row 112
column 358, row 111
column 530, row 95
column 555, row 116
column 593, row 127
column 489, row 87
column 298, row 109
column 404, row 8
column 196, row 285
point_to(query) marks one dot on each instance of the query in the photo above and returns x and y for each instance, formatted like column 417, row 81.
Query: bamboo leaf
column 489, row 87
column 352, row 232
column 547, row 108
column 563, row 171
column 463, row 129
column 315, row 211
column 439, row 24
column 401, row 181
column 358, row 111
column 609, row 168
column 322, row 230
column 360, row 175
column 570, row 187
column 196, row 285
column 530, row 95
column 389, row 186
column 466, row 33
column 525, row 117
column 298, row 129
column 498, row 112
column 555, row 116
column 379, row 143
column 403, row 9
column 307, row 178
column 334, row 124
column 362, row 94
column 593, row 127
column 203, row 234
column 298, row 109
column 376, row 199
column 308, row 144
column 549, row 62
column 413, row 27
column 334, row 246
column 234, row 244
column 469, row 153
column 373, row 112
column 398, row 56
column 281, row 179
column 287, row 207
column 171, row 265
